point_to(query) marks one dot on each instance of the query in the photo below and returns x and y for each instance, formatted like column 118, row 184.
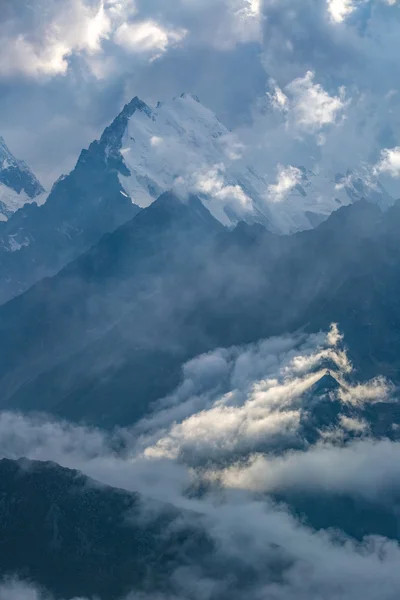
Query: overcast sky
column 292, row 74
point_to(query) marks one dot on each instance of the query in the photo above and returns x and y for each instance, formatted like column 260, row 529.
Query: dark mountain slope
column 121, row 299
column 108, row 334
column 81, row 207
column 77, row 537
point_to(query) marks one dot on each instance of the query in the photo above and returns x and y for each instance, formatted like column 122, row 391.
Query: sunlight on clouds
column 98, row 28
column 340, row 9
column 334, row 336
column 256, row 411
column 74, row 27
column 248, row 26
column 147, row 36
column 215, row 434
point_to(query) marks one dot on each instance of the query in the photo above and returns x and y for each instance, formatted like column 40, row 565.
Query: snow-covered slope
column 182, row 145
column 18, row 185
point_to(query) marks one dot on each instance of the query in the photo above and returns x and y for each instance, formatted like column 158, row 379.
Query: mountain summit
column 179, row 146
column 18, row 185
column 182, row 145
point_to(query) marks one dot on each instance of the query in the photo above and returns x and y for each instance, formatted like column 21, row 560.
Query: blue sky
column 319, row 76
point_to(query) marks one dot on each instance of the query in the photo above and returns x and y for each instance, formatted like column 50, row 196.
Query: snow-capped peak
column 18, row 185
column 182, row 145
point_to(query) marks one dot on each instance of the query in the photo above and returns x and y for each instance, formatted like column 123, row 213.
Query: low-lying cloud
column 235, row 426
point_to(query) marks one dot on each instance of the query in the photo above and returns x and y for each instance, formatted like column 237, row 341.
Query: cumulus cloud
column 41, row 44
column 41, row 40
column 147, row 37
column 340, row 9
column 313, row 108
column 389, row 162
column 309, row 108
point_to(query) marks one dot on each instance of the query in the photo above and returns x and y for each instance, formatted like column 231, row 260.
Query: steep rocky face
column 18, row 184
column 82, row 206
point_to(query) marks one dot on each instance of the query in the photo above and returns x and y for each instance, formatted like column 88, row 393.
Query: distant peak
column 16, row 174
column 188, row 96
column 136, row 104
column 326, row 383
column 5, row 152
column 113, row 134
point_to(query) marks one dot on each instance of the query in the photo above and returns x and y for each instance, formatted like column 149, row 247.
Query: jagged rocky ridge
column 81, row 207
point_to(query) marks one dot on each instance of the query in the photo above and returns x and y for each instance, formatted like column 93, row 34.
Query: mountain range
column 179, row 145
column 161, row 324
column 173, row 283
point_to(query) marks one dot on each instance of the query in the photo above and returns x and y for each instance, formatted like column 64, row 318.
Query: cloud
column 89, row 57
column 215, row 434
column 389, row 162
column 147, row 37
column 287, row 179
column 212, row 182
column 232, row 402
column 42, row 40
column 42, row 46
column 308, row 107
column 377, row 390
column 334, row 335
column 15, row 589
column 313, row 108
column 340, row 9
column 362, row 468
